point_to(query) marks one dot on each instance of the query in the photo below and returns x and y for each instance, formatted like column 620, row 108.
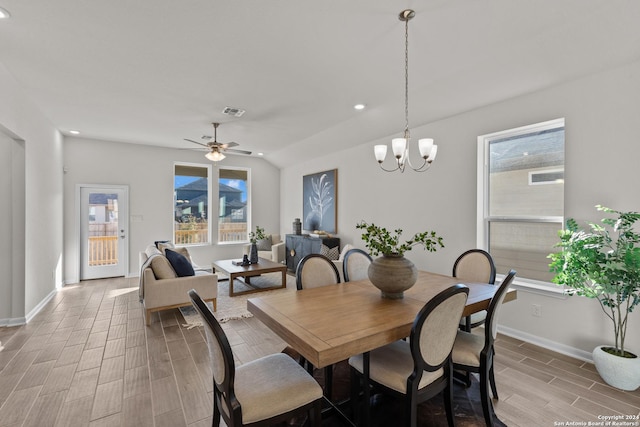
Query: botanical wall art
column 320, row 204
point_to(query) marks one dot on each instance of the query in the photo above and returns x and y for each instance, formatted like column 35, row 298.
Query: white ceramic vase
column 392, row 274
column 619, row 372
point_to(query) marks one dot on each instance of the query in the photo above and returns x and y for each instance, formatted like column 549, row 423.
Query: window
column 191, row 191
column 234, row 206
column 521, row 198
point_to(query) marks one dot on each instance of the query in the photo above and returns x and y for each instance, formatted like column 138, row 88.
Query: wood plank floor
column 88, row 360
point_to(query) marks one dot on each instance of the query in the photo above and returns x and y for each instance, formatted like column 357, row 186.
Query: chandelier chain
column 406, row 79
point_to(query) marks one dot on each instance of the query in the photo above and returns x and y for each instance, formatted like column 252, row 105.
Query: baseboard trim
column 40, row 306
column 9, row 322
column 545, row 343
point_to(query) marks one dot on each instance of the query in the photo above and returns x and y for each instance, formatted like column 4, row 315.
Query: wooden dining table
column 331, row 323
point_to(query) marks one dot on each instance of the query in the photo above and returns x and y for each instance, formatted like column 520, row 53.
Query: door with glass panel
column 103, row 232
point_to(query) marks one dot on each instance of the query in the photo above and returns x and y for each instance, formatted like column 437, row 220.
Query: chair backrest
column 475, row 265
column 491, row 322
column 435, row 327
column 220, row 353
column 355, row 265
column 316, row 270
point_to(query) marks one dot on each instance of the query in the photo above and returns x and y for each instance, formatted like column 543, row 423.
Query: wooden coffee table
column 235, row 271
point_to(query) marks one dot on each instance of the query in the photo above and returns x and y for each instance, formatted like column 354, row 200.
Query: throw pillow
column 164, row 246
column 162, row 268
column 158, row 242
column 184, row 252
column 180, row 263
column 264, row 244
column 331, row 253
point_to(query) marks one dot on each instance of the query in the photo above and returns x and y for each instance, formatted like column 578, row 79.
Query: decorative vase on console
column 253, row 238
column 392, row 273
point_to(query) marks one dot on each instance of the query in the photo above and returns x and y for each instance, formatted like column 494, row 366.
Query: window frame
column 248, row 206
column 483, row 219
column 209, row 169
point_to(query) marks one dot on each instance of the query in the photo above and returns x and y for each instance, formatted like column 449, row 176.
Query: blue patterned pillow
column 180, row 263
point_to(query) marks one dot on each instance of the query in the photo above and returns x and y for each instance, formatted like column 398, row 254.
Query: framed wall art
column 320, row 202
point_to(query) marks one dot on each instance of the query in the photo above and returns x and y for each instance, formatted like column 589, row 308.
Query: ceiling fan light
column 215, row 156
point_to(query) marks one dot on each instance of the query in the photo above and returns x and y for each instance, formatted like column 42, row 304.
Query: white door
column 103, row 231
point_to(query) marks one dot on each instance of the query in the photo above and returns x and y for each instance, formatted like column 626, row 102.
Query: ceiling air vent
column 230, row 111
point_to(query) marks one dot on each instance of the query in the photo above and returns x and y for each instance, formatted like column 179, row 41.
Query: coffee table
column 263, row 266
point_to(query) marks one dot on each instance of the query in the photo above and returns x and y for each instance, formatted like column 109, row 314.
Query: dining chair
column 263, row 392
column 355, row 265
column 316, row 270
column 475, row 265
column 420, row 368
column 475, row 353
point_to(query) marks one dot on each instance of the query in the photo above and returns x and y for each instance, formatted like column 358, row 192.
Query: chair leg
column 492, row 382
column 411, row 402
column 492, row 378
column 315, row 414
column 448, row 400
column 215, row 422
column 487, row 409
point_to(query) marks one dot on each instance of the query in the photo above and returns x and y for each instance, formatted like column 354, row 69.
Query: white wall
column 148, row 171
column 36, row 220
column 602, row 152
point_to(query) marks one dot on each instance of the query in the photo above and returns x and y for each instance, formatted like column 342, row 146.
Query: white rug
column 233, row 308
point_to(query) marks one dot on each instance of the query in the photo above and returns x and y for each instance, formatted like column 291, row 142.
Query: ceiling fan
column 217, row 148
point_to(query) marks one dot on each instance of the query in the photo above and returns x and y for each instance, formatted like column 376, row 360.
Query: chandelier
column 400, row 146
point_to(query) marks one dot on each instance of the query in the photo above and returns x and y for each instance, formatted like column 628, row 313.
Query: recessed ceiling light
column 260, row 154
column 4, row 13
column 359, row 106
column 74, row 132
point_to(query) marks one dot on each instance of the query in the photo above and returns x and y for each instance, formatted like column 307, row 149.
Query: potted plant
column 603, row 263
column 392, row 273
column 254, row 236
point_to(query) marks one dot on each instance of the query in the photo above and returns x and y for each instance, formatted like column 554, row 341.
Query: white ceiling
column 157, row 71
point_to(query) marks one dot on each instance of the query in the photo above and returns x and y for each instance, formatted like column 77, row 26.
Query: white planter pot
column 619, row 372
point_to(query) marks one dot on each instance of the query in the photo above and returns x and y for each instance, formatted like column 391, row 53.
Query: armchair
column 274, row 252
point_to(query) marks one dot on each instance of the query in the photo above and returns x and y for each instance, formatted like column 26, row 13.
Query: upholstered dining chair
column 475, row 265
column 475, row 353
column 263, row 392
column 420, row 368
column 355, row 265
column 316, row 270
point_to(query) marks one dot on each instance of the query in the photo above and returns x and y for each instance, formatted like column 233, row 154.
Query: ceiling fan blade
column 231, row 150
column 196, row 142
column 229, row 144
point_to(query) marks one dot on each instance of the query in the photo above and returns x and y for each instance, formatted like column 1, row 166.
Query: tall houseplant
column 392, row 273
column 603, row 263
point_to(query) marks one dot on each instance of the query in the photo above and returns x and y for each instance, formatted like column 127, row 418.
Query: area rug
column 231, row 308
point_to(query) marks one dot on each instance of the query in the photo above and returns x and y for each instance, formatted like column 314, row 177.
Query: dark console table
column 299, row 245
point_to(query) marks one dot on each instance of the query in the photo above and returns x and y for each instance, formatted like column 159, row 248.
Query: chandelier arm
column 408, row 160
column 391, row 170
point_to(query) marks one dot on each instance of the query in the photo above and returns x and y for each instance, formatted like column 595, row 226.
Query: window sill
column 541, row 288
